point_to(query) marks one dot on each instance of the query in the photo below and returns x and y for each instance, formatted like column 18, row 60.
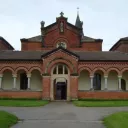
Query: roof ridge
column 34, row 36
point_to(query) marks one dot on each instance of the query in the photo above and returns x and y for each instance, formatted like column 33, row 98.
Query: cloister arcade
column 111, row 80
column 21, row 79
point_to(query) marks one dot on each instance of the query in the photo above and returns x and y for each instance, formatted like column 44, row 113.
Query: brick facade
column 47, row 43
column 102, row 95
column 121, row 48
column 21, row 94
column 121, row 45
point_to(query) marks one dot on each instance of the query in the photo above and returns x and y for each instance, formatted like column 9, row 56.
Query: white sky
column 105, row 19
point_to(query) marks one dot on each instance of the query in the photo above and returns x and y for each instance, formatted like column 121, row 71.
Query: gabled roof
column 36, row 38
column 33, row 39
column 120, row 41
column 7, row 43
column 83, row 39
column 90, row 39
column 58, row 49
column 50, row 25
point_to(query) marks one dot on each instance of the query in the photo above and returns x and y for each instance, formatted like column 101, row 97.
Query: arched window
column 123, row 84
column 60, row 69
column 97, row 81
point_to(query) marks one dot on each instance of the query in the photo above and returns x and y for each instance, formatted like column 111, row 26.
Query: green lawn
column 23, row 103
column 117, row 120
column 101, row 103
column 7, row 119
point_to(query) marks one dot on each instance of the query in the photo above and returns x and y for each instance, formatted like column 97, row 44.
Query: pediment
column 60, row 49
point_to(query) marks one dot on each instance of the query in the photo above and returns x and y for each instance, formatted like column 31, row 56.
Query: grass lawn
column 117, row 120
column 7, row 119
column 23, row 103
column 101, row 103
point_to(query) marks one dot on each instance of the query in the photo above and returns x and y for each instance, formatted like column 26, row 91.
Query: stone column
column 1, row 76
column 106, row 83
column 29, row 84
column 119, row 81
column 14, row 81
column 91, row 78
column 63, row 69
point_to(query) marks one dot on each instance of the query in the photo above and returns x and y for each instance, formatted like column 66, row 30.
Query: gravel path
column 61, row 115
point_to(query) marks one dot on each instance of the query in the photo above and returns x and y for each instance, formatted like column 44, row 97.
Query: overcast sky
column 105, row 19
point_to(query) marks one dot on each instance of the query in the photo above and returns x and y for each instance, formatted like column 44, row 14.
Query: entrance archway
column 60, row 82
column 60, row 89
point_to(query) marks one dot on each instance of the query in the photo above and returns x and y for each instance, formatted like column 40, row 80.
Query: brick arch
column 61, row 39
column 84, row 68
column 54, row 62
column 7, row 68
column 21, row 68
column 113, row 69
column 35, row 68
column 123, row 70
column 99, row 69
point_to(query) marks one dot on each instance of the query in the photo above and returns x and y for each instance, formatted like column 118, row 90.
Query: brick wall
column 74, row 87
column 31, row 46
column 3, row 46
column 21, row 94
column 92, row 46
column 71, row 36
column 46, row 87
column 121, row 48
column 103, row 95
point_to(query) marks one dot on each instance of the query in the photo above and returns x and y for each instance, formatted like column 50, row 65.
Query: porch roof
column 83, row 56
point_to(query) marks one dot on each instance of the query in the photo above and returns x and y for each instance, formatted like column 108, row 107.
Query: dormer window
column 61, row 44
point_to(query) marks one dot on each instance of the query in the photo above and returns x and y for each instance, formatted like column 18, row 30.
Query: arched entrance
column 60, row 82
column 60, row 89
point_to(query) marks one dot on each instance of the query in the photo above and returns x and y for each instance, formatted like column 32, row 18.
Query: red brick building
column 63, row 64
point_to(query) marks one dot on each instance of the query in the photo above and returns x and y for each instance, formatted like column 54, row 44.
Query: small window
column 61, row 44
column 54, row 71
column 65, row 70
column 60, row 69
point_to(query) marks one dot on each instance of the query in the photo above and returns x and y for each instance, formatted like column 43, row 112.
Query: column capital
column 105, row 76
column 120, row 77
column 29, row 75
column 1, row 75
column 14, row 75
column 91, row 76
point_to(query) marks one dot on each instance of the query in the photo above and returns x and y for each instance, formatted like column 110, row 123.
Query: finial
column 77, row 10
column 42, row 24
column 61, row 14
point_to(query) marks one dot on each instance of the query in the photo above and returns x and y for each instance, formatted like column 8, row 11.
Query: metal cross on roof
column 61, row 14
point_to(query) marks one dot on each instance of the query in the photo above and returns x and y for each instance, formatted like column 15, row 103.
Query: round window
column 61, row 44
